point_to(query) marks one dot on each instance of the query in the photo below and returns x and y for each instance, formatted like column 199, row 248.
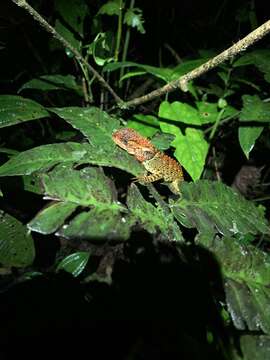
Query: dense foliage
column 69, row 204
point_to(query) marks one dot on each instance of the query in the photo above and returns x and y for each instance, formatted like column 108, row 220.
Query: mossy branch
column 182, row 82
column 43, row 23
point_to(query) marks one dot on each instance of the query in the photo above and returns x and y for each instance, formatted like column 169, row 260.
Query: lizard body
column 159, row 165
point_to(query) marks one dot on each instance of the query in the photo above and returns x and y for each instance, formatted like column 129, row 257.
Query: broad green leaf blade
column 181, row 112
column 212, row 206
column 16, row 109
column 255, row 347
column 98, row 225
column 162, row 141
column 43, row 157
column 146, row 125
column 249, row 305
column 85, row 187
column 151, row 218
column 16, row 245
column 190, row 149
column 98, row 127
column 52, row 82
column 48, row 220
column 74, row 263
column 254, row 109
column 259, row 58
column 247, row 136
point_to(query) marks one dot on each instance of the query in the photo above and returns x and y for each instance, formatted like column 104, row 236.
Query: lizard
column 159, row 165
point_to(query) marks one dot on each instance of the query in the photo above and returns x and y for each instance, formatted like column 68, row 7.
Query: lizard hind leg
column 148, row 178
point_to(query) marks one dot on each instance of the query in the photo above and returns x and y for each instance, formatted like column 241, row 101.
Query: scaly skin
column 159, row 165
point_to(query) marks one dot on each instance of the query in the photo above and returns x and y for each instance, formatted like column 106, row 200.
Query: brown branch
column 43, row 23
column 182, row 82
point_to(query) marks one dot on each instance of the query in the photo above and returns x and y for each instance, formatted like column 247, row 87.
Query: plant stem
column 43, row 23
column 182, row 82
column 216, row 124
column 119, row 31
column 126, row 44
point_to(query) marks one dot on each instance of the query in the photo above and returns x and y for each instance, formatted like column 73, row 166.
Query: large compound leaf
column 16, row 245
column 214, row 207
column 16, row 109
column 97, row 126
column 246, row 271
column 43, row 157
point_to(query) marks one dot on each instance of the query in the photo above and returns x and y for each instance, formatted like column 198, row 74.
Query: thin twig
column 43, row 23
column 182, row 82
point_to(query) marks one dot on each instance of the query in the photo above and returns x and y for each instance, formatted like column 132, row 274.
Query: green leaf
column 254, row 109
column 74, row 263
column 247, row 136
column 255, row 347
column 151, row 218
column 16, row 109
column 97, row 126
column 133, row 17
column 110, row 8
column 146, row 125
column 208, row 112
column 246, row 272
column 214, row 207
column 162, row 141
column 98, row 225
column 43, row 157
column 16, row 245
column 85, row 187
column 50, row 219
column 161, row 73
column 178, row 111
column 100, row 48
column 259, row 58
column 190, row 149
column 52, row 82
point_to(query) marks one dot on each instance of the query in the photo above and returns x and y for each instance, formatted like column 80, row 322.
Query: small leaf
column 74, row 263
column 48, row 220
column 43, row 157
column 16, row 109
column 110, row 8
column 190, row 149
column 247, row 137
column 254, row 109
column 52, row 82
column 162, row 141
column 133, row 17
column 16, row 245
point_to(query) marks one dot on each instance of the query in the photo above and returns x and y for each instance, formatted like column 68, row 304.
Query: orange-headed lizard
column 159, row 165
